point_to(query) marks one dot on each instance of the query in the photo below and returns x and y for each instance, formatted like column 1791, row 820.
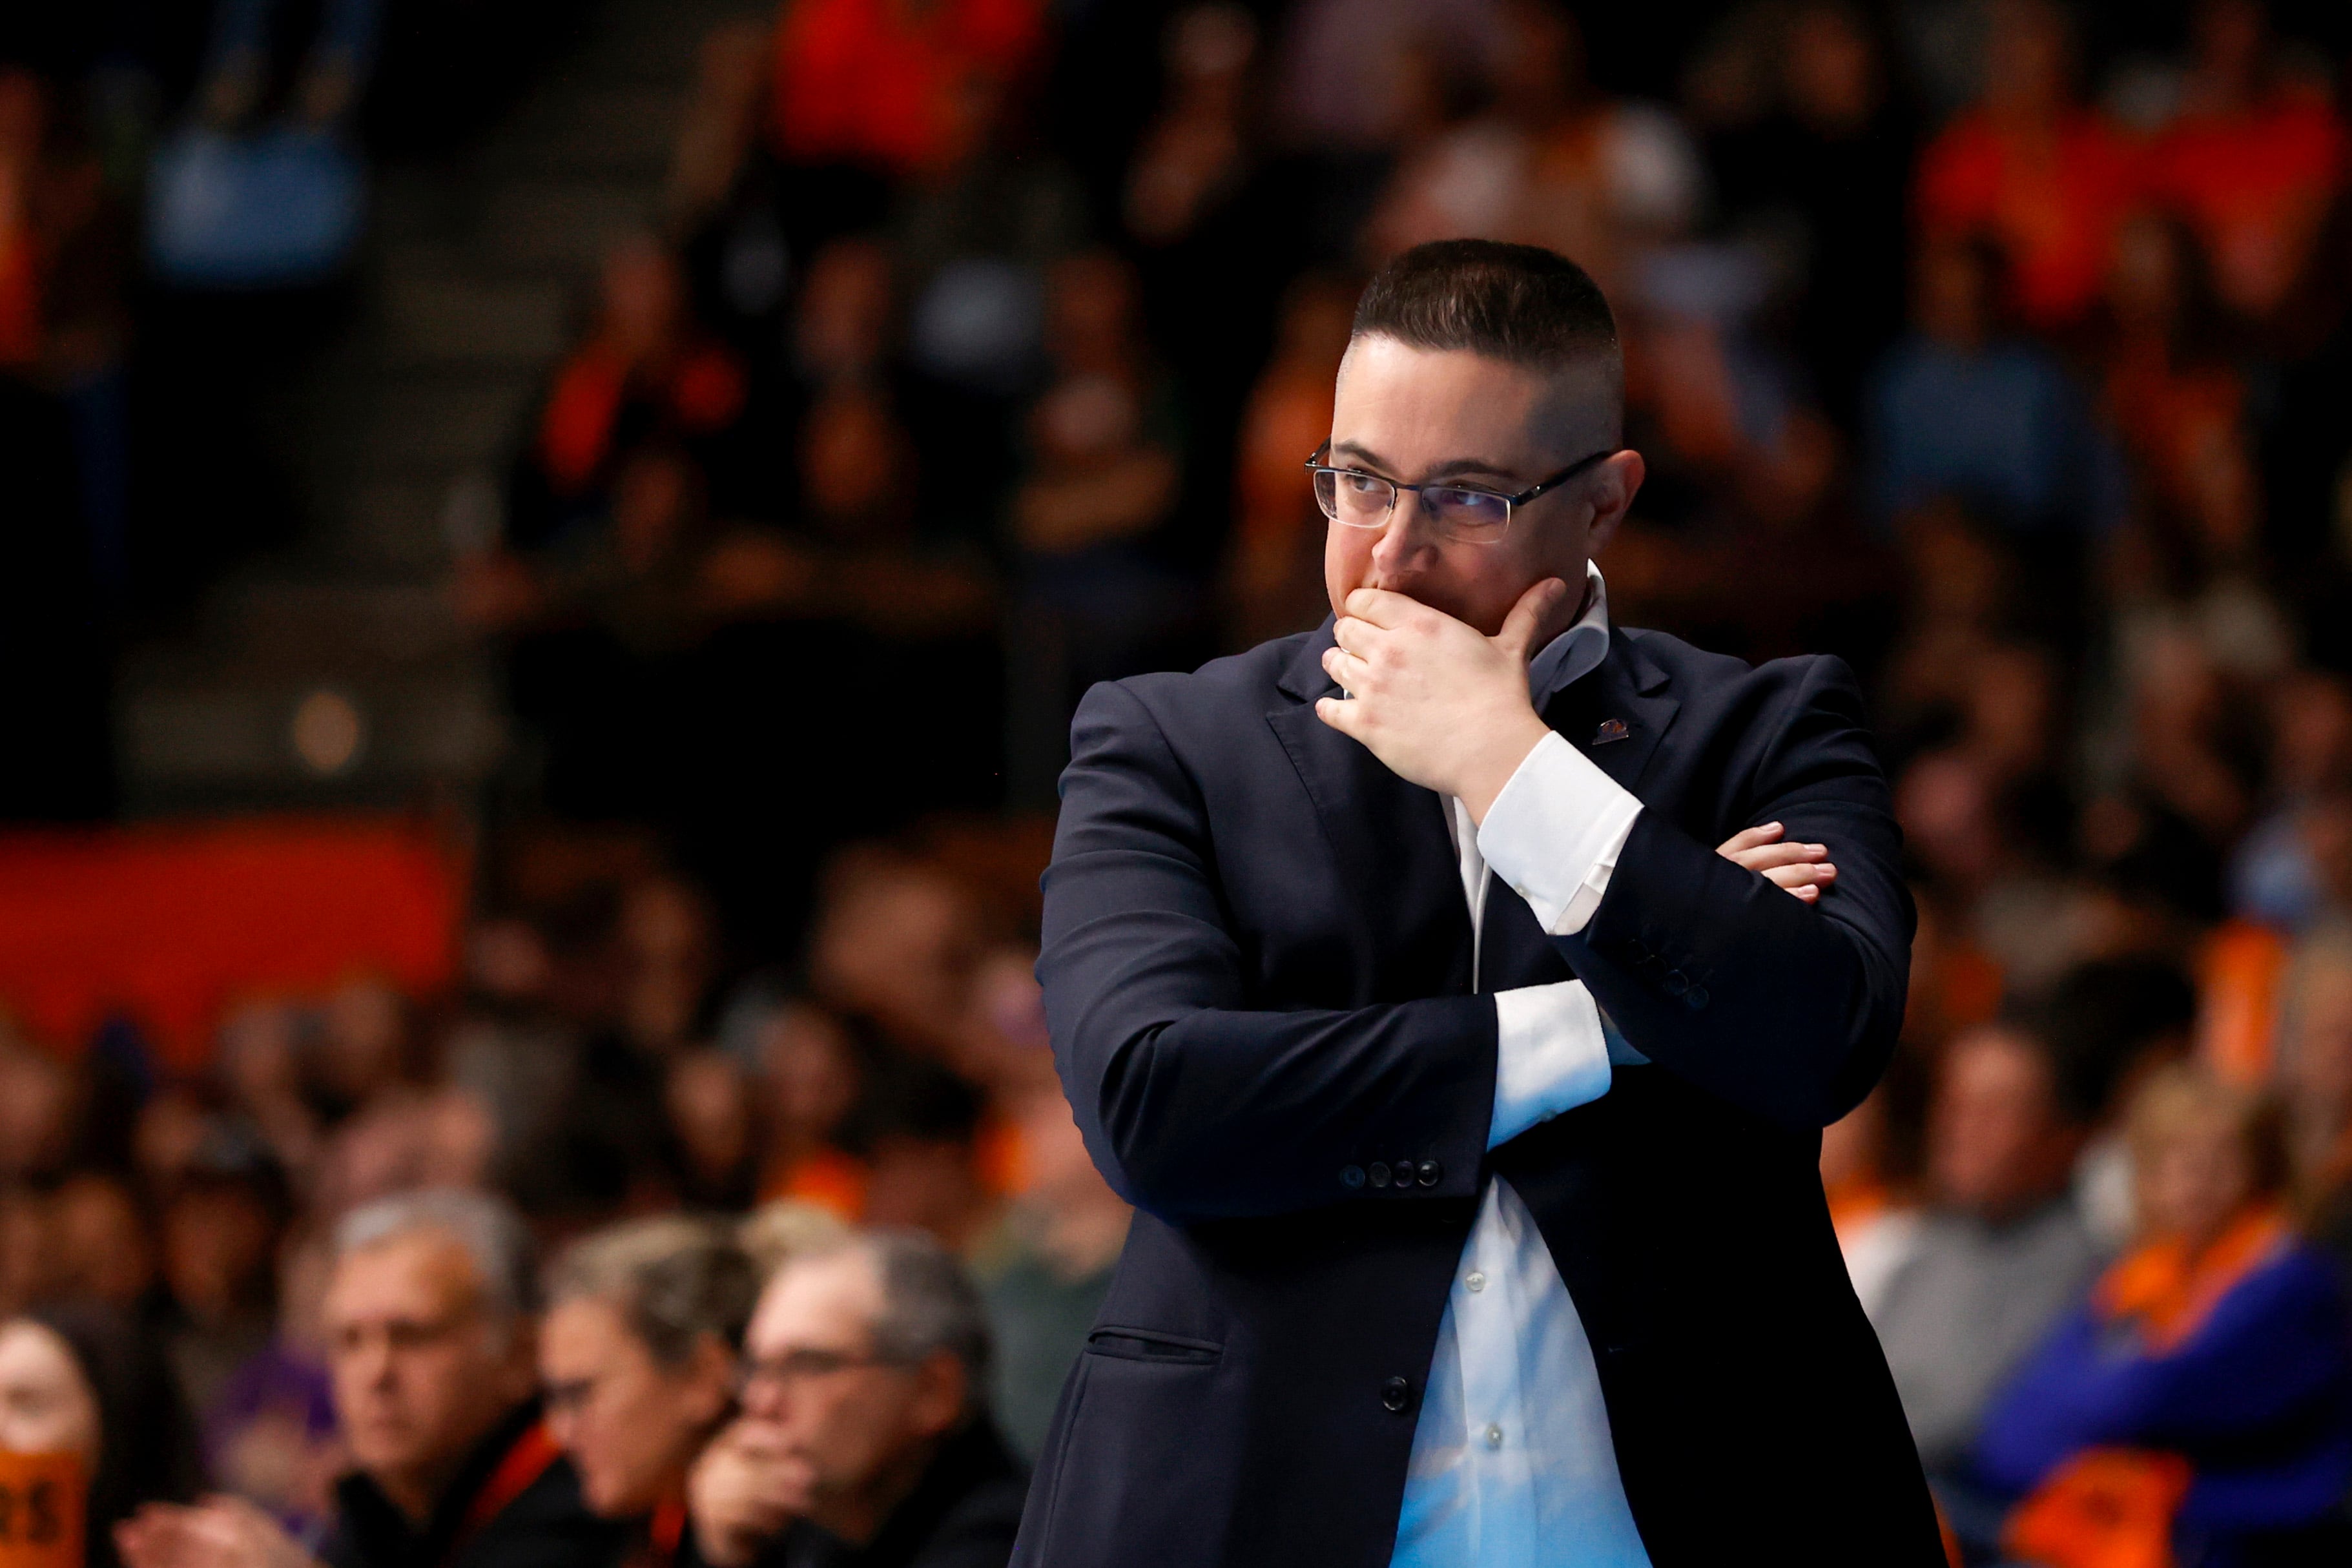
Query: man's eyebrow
column 1445, row 470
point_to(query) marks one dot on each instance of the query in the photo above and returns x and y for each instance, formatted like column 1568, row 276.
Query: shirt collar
column 1576, row 652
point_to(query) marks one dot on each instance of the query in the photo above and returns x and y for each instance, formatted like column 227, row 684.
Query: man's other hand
column 219, row 1532
column 740, row 1495
column 1443, row 705
column 1803, row 869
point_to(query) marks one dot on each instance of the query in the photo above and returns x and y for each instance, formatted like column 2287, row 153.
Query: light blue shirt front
column 1512, row 1465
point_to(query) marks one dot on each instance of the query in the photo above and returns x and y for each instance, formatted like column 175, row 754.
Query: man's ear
column 942, row 1393
column 1615, row 483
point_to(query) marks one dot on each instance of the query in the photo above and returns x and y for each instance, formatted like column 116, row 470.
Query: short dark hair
column 1518, row 303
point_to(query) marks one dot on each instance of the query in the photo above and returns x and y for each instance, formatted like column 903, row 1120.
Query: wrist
column 1491, row 766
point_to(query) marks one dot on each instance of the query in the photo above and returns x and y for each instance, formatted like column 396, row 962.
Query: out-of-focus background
column 546, row 549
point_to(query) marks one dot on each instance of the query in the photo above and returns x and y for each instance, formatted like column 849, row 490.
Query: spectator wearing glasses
column 865, row 1440
column 429, row 1345
column 638, row 1360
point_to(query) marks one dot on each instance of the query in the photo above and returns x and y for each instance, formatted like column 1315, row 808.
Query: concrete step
column 560, row 224
column 622, row 131
column 460, row 320
column 432, row 427
column 341, row 624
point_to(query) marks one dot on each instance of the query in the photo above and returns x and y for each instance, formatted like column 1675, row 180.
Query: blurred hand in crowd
column 746, row 1488
column 219, row 1532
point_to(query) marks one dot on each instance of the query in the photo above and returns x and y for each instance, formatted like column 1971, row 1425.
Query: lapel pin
column 1610, row 730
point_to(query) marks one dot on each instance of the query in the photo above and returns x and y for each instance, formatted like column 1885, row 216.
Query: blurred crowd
column 2002, row 349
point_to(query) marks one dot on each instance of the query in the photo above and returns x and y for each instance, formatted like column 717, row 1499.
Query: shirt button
column 1494, row 1437
column 1475, row 1283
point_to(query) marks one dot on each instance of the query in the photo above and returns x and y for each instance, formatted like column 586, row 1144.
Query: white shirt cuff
column 1550, row 1056
column 1555, row 832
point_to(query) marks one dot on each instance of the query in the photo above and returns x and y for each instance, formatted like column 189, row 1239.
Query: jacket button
column 1403, row 1169
column 1396, row 1394
column 1676, row 983
column 1694, row 998
column 1378, row 1171
column 1431, row 1173
column 1351, row 1176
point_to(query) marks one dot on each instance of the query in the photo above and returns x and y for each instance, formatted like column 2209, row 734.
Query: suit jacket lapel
column 1627, row 689
column 1389, row 838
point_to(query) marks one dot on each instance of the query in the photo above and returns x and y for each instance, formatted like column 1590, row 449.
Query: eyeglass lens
column 1365, row 500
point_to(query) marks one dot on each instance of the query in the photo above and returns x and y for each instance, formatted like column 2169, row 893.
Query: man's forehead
column 817, row 1301
column 1389, row 393
column 424, row 1267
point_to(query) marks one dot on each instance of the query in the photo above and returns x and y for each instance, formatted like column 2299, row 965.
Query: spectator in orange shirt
column 2253, row 159
column 2169, row 391
column 2047, row 177
column 882, row 84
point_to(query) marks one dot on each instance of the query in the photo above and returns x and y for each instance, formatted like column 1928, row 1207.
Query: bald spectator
column 865, row 1439
column 429, row 1343
column 2002, row 1252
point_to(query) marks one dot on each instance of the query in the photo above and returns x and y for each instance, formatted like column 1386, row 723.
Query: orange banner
column 171, row 924
column 41, row 1507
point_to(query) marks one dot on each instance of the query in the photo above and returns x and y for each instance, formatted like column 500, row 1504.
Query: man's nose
column 1405, row 536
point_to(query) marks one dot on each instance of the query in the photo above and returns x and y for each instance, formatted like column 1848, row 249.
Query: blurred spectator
column 1104, row 464
column 1194, row 156
column 2169, row 390
column 1964, row 409
column 270, row 1435
column 429, row 1343
column 1045, row 1271
column 644, row 374
column 2203, row 1393
column 76, row 1380
column 221, row 1225
column 2252, row 159
column 871, row 83
column 637, row 1357
column 1275, row 575
column 2045, row 176
column 1820, row 163
column 2273, row 878
column 2111, row 1024
column 2001, row 1251
column 2314, row 1084
column 864, row 1438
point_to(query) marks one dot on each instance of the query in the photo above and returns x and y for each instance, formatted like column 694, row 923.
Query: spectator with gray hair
column 865, row 1439
column 637, row 1361
column 430, row 1348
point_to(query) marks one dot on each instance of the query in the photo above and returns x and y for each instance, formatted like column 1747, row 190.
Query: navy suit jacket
column 1257, row 974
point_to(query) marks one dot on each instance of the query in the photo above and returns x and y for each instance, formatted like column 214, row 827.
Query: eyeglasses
column 1463, row 513
column 803, row 1365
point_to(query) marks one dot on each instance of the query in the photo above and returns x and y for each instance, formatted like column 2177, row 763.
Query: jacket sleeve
column 1785, row 1009
column 1195, row 1104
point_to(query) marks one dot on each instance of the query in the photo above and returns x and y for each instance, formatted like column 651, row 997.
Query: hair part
column 488, row 1228
column 1518, row 303
column 676, row 1281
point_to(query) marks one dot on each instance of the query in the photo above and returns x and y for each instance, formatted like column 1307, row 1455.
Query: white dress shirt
column 1512, row 1463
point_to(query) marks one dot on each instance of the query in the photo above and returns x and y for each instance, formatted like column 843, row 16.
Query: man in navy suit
column 1458, row 992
